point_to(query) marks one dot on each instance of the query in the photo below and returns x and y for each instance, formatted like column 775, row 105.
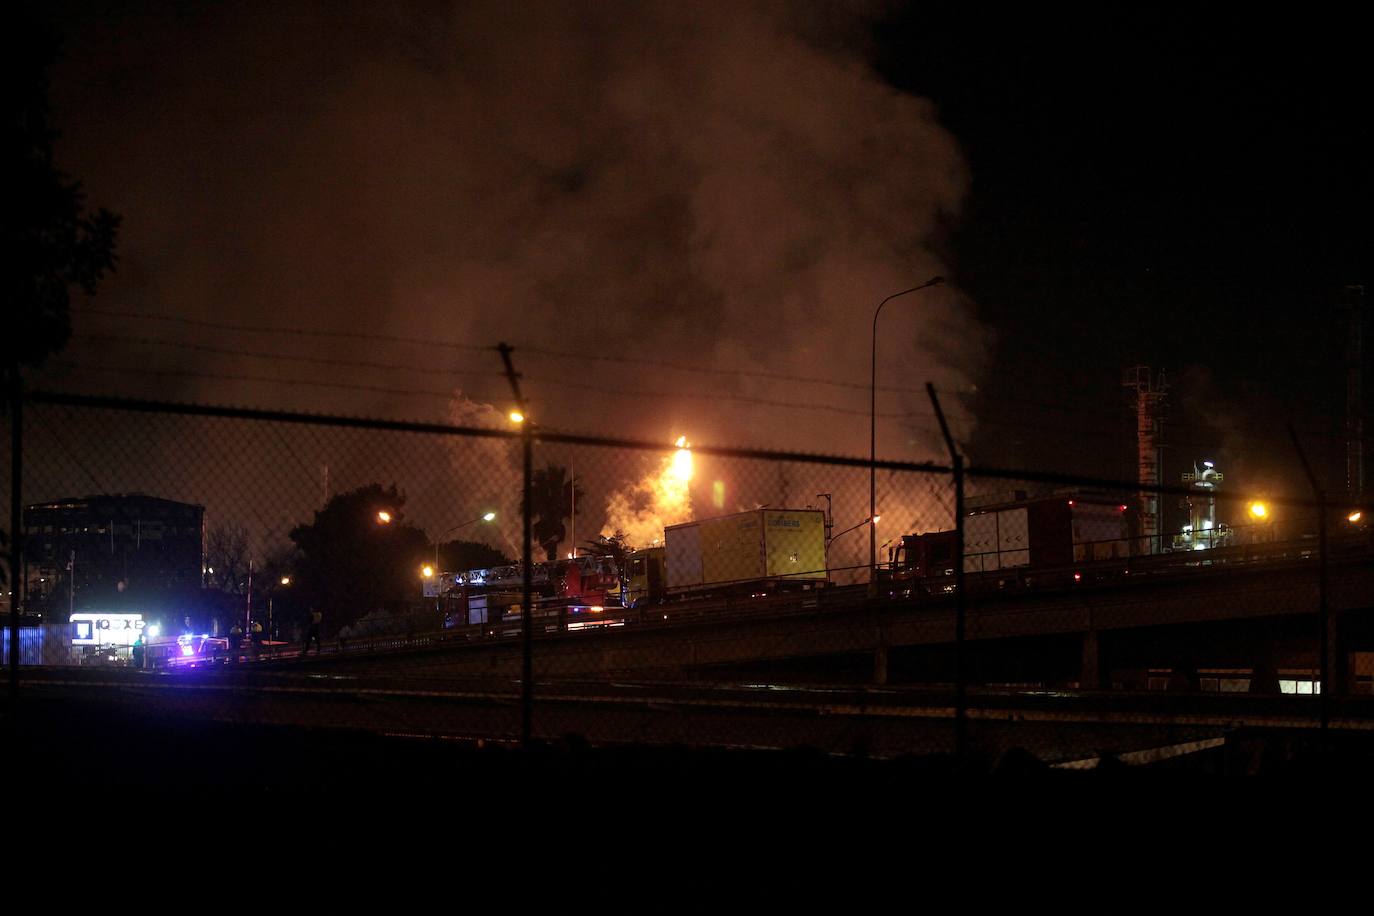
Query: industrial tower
column 1150, row 399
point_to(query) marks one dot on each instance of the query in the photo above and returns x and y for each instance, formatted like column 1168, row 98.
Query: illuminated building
column 109, row 552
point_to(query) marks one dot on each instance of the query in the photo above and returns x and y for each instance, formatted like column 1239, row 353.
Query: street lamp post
column 871, row 520
column 484, row 517
column 873, row 428
column 285, row 581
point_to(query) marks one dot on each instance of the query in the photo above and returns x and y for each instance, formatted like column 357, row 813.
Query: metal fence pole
column 1323, row 611
column 16, row 398
column 527, row 558
column 527, row 663
column 960, row 616
column 1328, row 686
column 960, row 674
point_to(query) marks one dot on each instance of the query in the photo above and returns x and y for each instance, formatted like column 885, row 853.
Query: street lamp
column 874, row 519
column 285, row 581
column 484, row 517
column 1263, row 529
column 873, row 428
column 383, row 517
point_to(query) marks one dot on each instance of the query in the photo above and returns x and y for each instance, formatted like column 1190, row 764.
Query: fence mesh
column 211, row 565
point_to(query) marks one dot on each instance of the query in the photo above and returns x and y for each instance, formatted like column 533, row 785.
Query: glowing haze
column 661, row 497
column 724, row 186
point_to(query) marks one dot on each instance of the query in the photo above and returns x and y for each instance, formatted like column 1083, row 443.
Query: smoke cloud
column 723, row 186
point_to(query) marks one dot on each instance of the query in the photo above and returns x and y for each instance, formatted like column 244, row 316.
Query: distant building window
column 1224, row 680
column 1225, row 684
column 1300, row 681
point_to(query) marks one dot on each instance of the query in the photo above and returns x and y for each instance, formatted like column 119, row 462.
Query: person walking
column 313, row 632
column 255, row 632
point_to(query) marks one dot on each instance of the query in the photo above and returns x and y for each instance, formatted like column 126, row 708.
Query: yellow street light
column 489, row 516
column 517, row 417
column 384, row 517
column 285, row 580
column 1354, row 517
column 427, row 571
column 1259, row 510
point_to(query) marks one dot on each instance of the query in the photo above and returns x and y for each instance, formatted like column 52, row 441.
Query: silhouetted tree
column 52, row 242
column 227, row 554
column 349, row 564
column 455, row 556
column 616, row 546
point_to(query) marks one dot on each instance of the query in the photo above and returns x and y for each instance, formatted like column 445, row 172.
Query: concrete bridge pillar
column 1090, row 673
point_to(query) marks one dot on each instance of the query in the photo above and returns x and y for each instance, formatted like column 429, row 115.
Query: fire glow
column 682, row 461
column 662, row 497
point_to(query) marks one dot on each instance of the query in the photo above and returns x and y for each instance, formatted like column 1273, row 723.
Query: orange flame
column 662, row 497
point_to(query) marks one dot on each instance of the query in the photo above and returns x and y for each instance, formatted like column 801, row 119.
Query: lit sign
column 106, row 629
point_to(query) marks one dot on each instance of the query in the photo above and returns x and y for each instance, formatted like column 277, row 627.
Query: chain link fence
column 188, row 564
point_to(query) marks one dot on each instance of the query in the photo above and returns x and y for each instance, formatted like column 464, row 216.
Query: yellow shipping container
column 747, row 547
column 795, row 541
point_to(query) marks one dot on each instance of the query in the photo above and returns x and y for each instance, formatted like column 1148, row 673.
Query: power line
column 288, row 357
column 142, row 370
column 448, row 395
column 624, row 392
column 702, row 396
column 619, row 360
column 630, row 393
column 706, row 370
column 542, row 351
column 299, row 332
column 71, row 456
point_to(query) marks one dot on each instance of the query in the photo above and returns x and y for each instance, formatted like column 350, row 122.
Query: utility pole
column 1354, row 395
column 16, row 400
column 1151, row 393
column 527, row 608
column 248, row 607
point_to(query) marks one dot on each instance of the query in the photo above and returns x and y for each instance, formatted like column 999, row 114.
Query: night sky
column 728, row 188
column 1155, row 188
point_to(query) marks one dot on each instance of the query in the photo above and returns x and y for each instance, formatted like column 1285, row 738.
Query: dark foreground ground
column 84, row 745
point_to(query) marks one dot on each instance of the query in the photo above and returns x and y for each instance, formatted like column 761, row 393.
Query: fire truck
column 1019, row 542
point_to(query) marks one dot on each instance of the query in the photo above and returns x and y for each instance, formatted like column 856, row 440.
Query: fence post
column 527, row 665
column 16, row 399
column 960, row 673
column 527, row 605
column 1325, row 641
